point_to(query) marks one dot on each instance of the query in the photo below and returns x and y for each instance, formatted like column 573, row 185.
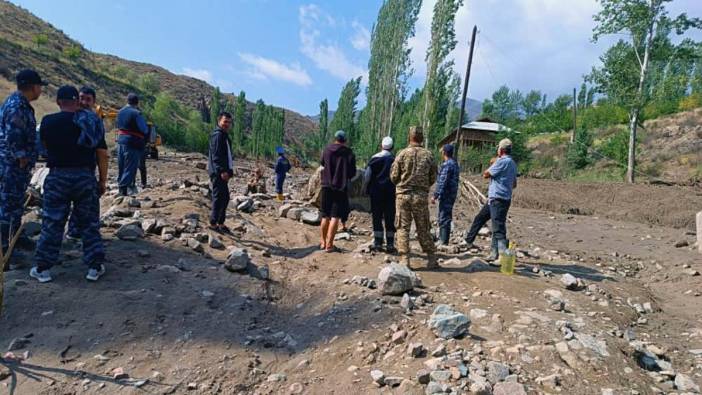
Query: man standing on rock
column 220, row 167
column 413, row 173
column 71, row 144
column 86, row 99
column 503, row 179
column 132, row 135
column 446, row 192
column 339, row 165
column 18, row 152
column 282, row 167
column 382, row 196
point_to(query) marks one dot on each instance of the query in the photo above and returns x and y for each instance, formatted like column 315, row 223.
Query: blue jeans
column 128, row 160
column 279, row 180
column 498, row 214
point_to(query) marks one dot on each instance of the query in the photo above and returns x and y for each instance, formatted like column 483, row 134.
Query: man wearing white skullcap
column 382, row 196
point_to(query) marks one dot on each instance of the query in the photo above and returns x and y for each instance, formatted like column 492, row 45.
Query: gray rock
column 477, row 314
column 276, row 377
column 479, row 385
column 685, row 383
column 245, row 206
column 148, row 225
column 570, row 282
column 295, row 213
column 263, row 272
column 434, row 388
column 439, row 351
column 133, row 202
column 415, row 350
column 423, row 376
column 393, row 381
column 378, row 377
column 214, row 242
column 283, row 210
column 508, row 388
column 238, row 260
column 396, row 279
column 440, row 376
column 167, row 237
column 195, row 245
column 311, row 217
column 448, row 323
column 497, row 372
column 406, row 303
column 130, row 232
column 478, row 265
column 599, row 347
column 555, row 299
column 551, row 381
column 18, row 343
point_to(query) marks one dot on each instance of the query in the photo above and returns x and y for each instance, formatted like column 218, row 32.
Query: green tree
column 239, row 123
column 257, row 128
column 72, row 52
column 624, row 75
column 443, row 41
column 323, row 134
column 215, row 105
column 41, row 39
column 577, row 155
column 504, row 105
column 148, row 83
column 532, row 103
column 345, row 115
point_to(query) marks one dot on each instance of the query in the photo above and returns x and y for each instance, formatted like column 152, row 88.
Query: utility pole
column 575, row 116
column 457, row 141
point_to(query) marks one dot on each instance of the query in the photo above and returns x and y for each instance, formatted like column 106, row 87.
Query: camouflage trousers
column 13, row 187
column 413, row 207
column 62, row 188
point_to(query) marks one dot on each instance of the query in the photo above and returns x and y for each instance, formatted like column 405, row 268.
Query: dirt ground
column 175, row 321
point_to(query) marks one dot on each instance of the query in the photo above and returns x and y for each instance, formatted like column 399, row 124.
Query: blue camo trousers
column 279, row 180
column 13, row 187
column 128, row 160
column 62, row 188
column 446, row 213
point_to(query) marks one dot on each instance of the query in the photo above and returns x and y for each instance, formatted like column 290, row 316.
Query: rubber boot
column 501, row 246
column 279, row 197
column 444, row 235
column 494, row 252
column 122, row 191
column 377, row 244
column 390, row 245
column 432, row 262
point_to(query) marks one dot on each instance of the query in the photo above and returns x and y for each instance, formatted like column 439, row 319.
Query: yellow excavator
column 154, row 138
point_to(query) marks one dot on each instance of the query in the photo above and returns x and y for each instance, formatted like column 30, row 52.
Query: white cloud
column 361, row 38
column 326, row 56
column 200, row 74
column 264, row 68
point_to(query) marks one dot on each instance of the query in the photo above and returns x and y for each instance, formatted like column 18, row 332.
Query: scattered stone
column 681, row 243
column 448, row 323
column 685, row 383
column 406, row 303
column 167, row 237
column 596, row 345
column 130, row 232
column 497, row 372
column 477, row 314
column 478, row 265
column 508, row 388
column 415, row 350
column 295, row 213
column 398, row 337
column 283, row 210
column 440, row 376
column 311, row 217
column 246, row 206
column 119, row 374
column 393, row 381
column 423, row 376
column 195, row 245
column 692, row 272
column 570, row 282
column 276, row 377
column 396, row 279
column 440, row 351
column 555, row 299
column 238, row 260
column 296, row 388
column 378, row 377
column 551, row 381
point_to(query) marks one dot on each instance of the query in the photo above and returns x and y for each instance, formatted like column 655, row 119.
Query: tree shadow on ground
column 294, row 253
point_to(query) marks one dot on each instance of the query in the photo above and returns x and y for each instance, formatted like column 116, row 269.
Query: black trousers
column 383, row 210
column 497, row 211
column 142, row 168
column 220, row 199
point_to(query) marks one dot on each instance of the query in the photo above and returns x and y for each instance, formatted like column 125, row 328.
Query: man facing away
column 503, row 179
column 339, row 165
column 132, row 134
column 18, row 151
column 86, row 99
column 71, row 146
column 282, row 167
column 446, row 192
column 220, row 166
column 413, row 173
column 382, row 196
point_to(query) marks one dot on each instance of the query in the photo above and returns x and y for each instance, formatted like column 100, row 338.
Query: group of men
column 73, row 140
column 399, row 190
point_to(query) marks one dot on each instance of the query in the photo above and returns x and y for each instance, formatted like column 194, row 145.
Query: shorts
column 335, row 204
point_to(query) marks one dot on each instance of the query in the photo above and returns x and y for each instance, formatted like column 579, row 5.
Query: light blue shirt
column 503, row 174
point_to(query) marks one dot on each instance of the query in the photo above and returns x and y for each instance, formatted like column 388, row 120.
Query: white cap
column 387, row 142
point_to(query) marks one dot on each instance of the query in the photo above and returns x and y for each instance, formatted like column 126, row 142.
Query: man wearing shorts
column 339, row 165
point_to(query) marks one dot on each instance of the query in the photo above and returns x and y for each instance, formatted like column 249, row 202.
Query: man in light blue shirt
column 503, row 179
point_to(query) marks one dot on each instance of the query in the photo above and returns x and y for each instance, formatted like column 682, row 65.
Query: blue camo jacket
column 447, row 182
column 18, row 137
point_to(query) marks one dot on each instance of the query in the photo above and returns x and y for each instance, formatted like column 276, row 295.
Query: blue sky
column 294, row 53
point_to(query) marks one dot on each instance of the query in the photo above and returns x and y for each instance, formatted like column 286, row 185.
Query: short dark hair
column 508, row 150
column 132, row 99
column 225, row 114
column 86, row 90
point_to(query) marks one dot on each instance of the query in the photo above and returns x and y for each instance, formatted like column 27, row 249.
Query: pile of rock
column 296, row 211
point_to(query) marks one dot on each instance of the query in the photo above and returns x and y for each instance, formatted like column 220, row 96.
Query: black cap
column 132, row 98
column 67, row 92
column 29, row 77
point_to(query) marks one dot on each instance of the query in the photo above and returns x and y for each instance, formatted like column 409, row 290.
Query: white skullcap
column 387, row 142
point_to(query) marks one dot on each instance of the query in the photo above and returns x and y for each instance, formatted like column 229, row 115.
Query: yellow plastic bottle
column 507, row 259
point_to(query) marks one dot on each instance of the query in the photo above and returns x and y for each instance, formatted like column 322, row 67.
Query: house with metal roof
column 478, row 134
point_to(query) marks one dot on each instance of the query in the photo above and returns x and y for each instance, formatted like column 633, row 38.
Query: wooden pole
column 462, row 111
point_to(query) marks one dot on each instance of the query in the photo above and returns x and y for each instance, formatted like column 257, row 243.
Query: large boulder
column 396, row 279
column 131, row 231
column 238, row 260
column 311, row 217
column 448, row 323
column 357, row 196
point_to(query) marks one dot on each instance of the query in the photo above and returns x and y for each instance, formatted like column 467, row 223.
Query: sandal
column 225, row 229
column 332, row 249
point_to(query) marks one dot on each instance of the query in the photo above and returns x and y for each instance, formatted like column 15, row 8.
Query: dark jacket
column 378, row 171
column 219, row 153
column 133, row 130
column 282, row 166
column 447, row 182
column 339, row 166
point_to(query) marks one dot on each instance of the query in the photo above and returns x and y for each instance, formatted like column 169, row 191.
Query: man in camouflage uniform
column 18, row 151
column 413, row 173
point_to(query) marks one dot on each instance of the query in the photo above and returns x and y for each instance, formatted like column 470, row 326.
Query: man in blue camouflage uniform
column 446, row 192
column 71, row 140
column 87, row 119
column 18, row 151
column 132, row 135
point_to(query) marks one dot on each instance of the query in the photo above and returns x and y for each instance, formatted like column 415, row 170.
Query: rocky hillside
column 28, row 41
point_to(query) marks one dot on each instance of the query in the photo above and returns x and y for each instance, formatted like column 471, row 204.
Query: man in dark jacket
column 220, row 167
column 132, row 135
column 282, row 167
column 382, row 196
column 446, row 192
column 339, row 165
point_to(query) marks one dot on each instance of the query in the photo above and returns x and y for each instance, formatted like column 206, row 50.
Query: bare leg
column 333, row 226
column 324, row 226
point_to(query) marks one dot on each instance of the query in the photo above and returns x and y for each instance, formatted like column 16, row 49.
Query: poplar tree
column 323, row 136
column 345, row 115
column 239, row 122
column 215, row 105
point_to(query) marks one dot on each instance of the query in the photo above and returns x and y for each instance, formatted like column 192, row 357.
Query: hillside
column 28, row 41
column 669, row 150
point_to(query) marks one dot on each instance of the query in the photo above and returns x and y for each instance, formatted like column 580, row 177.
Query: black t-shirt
column 60, row 135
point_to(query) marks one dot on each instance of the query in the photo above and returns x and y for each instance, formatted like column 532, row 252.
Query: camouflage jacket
column 92, row 130
column 414, row 170
column 18, row 137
